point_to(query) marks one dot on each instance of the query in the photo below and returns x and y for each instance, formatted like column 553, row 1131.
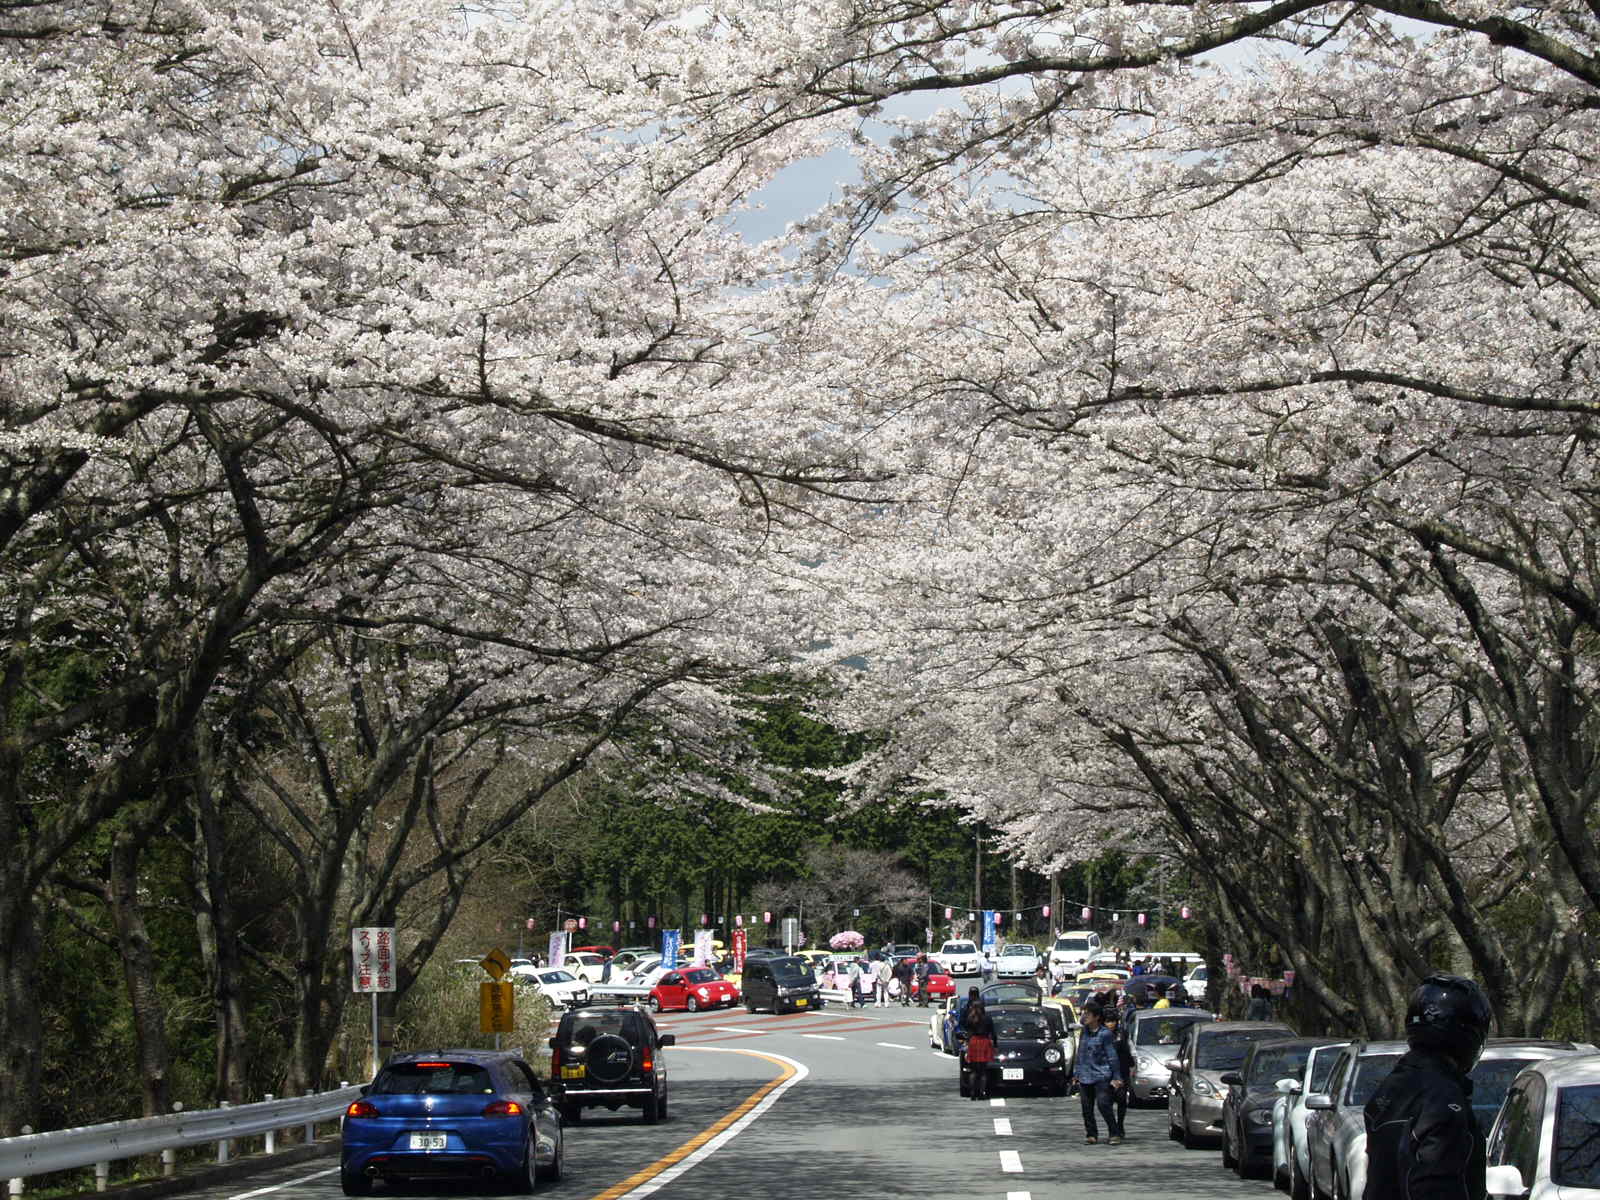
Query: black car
column 610, row 1057
column 467, row 1114
column 1010, row 993
column 781, row 984
column 1252, row 1091
column 1029, row 1053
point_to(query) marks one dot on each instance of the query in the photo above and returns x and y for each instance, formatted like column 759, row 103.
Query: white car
column 554, row 984
column 1016, row 958
column 960, row 958
column 585, row 964
column 1543, row 1144
column 641, row 970
column 1336, row 1129
column 1072, row 951
column 1194, row 983
column 1291, row 1164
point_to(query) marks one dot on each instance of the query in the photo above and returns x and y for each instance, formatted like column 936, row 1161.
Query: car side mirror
column 1320, row 1101
column 1232, row 1079
column 1173, row 1064
column 1504, row 1180
column 1288, row 1087
column 667, row 1039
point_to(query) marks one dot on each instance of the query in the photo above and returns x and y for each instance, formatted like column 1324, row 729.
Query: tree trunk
column 138, row 963
column 216, row 931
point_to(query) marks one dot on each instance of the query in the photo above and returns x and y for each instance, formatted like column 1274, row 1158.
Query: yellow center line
column 673, row 1157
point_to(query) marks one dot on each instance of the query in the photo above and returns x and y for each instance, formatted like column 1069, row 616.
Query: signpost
column 495, row 1001
column 372, row 955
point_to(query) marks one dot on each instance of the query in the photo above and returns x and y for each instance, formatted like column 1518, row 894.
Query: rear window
column 1225, row 1051
column 1079, row 944
column 1269, row 1066
column 433, row 1079
column 1162, row 1033
column 1371, row 1070
column 1575, row 1155
column 1022, row 1026
column 590, row 1025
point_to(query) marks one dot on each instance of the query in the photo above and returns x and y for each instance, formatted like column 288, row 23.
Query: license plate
column 1011, row 1073
column 427, row 1141
column 801, row 1003
column 572, row 1072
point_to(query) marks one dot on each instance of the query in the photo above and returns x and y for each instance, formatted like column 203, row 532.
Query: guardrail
column 101, row 1145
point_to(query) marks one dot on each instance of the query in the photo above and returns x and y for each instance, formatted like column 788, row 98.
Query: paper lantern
column 1184, row 912
column 705, row 918
column 530, row 922
column 650, row 921
column 766, row 918
column 616, row 926
column 1086, row 914
column 972, row 916
column 738, row 921
column 1046, row 910
column 1016, row 916
column 1141, row 919
column 999, row 918
column 583, row 922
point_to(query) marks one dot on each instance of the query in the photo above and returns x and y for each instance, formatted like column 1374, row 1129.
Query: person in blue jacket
column 1100, row 1076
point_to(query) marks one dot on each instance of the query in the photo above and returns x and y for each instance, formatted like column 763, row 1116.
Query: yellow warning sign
column 494, row 1007
column 496, row 963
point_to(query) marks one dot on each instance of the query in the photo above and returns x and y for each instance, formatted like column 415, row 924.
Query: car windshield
column 1067, row 943
column 1022, row 950
column 555, row 977
column 432, row 1078
column 1224, row 1051
column 1011, row 993
column 1491, row 1080
column 1275, row 1063
column 1575, row 1154
column 959, row 948
column 790, row 971
column 1022, row 1026
column 587, row 1026
column 701, row 975
column 1372, row 1070
column 1163, row 1032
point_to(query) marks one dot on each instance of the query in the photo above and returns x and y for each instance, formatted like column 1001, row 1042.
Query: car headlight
column 1143, row 1062
column 1259, row 1116
column 705, row 993
column 1203, row 1087
column 1052, row 1055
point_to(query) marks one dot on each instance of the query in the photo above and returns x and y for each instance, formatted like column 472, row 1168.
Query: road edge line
column 710, row 1139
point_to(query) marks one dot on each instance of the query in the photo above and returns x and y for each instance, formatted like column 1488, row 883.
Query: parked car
column 473, row 1114
column 1336, row 1130
column 588, row 964
column 960, row 958
column 1153, row 1035
column 781, row 984
column 1207, row 1051
column 602, row 951
column 609, row 1057
column 1502, row 1061
column 1016, row 958
column 1291, row 1171
column 641, row 969
column 629, row 955
column 692, row 988
column 1072, row 951
column 942, row 1025
column 1028, row 1051
column 1545, row 1143
column 561, row 988
column 1194, row 983
column 939, row 986
column 1011, row 992
column 1252, row 1093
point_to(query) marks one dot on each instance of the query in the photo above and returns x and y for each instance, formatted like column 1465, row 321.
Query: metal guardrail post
column 225, row 1145
column 272, row 1134
column 14, row 1187
column 102, row 1175
column 311, row 1126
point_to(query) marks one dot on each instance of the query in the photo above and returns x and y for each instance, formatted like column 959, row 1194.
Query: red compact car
column 693, row 988
column 940, row 985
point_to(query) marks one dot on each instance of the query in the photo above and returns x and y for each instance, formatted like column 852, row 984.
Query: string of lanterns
column 1086, row 913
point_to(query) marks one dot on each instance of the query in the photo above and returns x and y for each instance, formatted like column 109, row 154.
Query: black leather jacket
column 1423, row 1143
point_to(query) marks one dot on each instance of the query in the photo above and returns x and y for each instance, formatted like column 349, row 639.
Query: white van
column 960, row 958
column 1072, row 951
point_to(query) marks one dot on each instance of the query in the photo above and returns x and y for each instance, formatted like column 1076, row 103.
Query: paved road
column 862, row 1106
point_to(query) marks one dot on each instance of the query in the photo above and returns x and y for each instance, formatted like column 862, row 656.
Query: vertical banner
column 704, row 952
column 671, row 942
column 741, row 942
column 989, row 937
column 557, row 949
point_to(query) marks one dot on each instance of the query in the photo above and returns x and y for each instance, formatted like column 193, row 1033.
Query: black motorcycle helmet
column 1450, row 1016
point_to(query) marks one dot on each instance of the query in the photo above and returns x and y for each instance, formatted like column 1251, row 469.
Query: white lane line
column 825, row 1037
column 897, row 1045
column 1010, row 1161
column 737, row 1029
column 1019, row 1196
column 1002, row 1126
column 709, row 1148
column 997, row 1102
column 280, row 1186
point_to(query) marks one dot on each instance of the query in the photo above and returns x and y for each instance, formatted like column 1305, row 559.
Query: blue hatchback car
column 464, row 1114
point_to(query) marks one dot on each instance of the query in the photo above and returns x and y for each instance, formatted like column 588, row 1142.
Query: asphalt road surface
column 841, row 1104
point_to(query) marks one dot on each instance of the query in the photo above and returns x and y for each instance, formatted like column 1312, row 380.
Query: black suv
column 611, row 1057
column 780, row 984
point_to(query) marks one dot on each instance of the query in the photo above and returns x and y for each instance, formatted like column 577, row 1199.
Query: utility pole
column 977, row 871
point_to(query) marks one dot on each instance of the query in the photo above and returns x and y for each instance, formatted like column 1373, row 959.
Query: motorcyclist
column 1423, row 1142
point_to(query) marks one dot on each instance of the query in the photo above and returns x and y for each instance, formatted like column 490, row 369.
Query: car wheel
column 1190, row 1142
column 693, row 1005
column 662, row 1110
column 653, row 1003
column 1298, row 1188
column 749, row 1005
column 355, row 1185
column 527, row 1179
column 961, row 1083
column 558, row 1163
column 1229, row 1162
column 652, row 1109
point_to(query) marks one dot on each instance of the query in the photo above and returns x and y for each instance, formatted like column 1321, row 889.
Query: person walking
column 924, row 970
column 881, row 975
column 857, row 999
column 1119, row 1036
column 1098, row 1071
column 1260, row 1008
column 1423, row 1141
column 902, row 975
column 978, row 1027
